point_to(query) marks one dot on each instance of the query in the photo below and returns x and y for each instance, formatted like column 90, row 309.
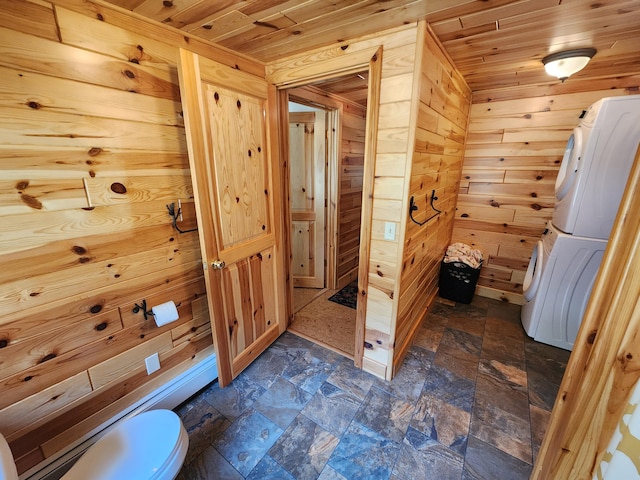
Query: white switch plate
column 389, row 230
column 153, row 363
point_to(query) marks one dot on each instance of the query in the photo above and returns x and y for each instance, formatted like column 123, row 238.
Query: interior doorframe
column 333, row 140
column 284, row 78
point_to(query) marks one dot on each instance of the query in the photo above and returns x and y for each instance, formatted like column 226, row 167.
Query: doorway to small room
column 327, row 124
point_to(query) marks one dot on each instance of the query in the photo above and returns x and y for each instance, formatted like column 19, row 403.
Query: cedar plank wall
column 513, row 153
column 71, row 350
column 444, row 104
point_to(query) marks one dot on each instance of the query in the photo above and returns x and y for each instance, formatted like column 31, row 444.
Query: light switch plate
column 389, row 230
column 153, row 363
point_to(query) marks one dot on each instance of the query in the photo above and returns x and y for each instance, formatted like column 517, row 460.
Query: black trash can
column 458, row 281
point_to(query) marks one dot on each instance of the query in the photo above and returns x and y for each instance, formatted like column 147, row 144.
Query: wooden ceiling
column 494, row 43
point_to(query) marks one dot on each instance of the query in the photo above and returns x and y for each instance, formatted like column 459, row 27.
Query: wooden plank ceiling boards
column 492, row 43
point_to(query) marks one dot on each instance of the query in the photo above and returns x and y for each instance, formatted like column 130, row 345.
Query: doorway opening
column 327, row 130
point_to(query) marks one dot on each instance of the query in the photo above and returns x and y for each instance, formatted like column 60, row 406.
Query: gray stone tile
column 545, row 368
column 203, row 423
column 539, row 422
column 282, row 402
column 504, row 430
column 385, row 414
column 351, row 379
column 266, row 368
column 485, row 462
column 408, row 381
column 459, row 352
column 234, row 399
column 434, row 462
column 247, row 440
column 269, row 469
column 329, row 473
column 304, row 448
column 504, row 387
column 310, row 368
column 364, row 454
column 332, row 408
column 430, row 332
column 449, row 387
column 441, row 422
column 505, row 311
column 209, row 461
column 504, row 349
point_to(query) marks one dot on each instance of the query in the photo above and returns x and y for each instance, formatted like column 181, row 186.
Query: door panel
column 233, row 179
column 307, row 153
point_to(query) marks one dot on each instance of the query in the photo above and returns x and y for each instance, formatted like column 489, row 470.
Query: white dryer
column 558, row 284
column 595, row 167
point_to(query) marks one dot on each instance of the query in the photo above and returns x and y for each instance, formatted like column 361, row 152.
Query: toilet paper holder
column 142, row 307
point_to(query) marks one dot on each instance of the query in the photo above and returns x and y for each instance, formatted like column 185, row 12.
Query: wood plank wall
column 513, row 153
column 443, row 112
column 92, row 149
column 350, row 171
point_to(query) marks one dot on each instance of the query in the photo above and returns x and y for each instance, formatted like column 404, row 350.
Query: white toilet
column 148, row 446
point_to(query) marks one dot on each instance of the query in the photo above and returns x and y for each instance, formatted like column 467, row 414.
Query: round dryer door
column 534, row 272
column 570, row 163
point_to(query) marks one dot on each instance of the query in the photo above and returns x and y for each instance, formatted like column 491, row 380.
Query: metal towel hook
column 413, row 207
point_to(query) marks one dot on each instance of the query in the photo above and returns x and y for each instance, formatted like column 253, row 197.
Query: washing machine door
column 534, row 272
column 570, row 163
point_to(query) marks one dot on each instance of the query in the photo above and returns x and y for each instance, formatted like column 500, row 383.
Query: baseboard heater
column 168, row 396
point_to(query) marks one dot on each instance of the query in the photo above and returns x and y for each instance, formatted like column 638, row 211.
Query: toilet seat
column 149, row 446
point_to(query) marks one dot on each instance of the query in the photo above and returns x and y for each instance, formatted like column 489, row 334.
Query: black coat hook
column 413, row 207
column 175, row 214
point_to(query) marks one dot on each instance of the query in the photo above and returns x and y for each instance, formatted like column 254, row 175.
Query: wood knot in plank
column 22, row 184
column 48, row 357
column 117, row 187
column 31, row 201
column 96, row 308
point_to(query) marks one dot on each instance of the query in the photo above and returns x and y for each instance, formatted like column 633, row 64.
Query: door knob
column 218, row 264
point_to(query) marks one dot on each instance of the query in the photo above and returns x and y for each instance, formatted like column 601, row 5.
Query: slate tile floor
column 471, row 401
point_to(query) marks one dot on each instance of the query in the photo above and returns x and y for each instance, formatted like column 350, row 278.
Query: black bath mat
column 348, row 296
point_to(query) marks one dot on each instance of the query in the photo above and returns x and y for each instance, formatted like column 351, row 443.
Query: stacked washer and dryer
column 592, row 178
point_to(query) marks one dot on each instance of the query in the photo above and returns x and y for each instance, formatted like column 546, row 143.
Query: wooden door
column 307, row 163
column 230, row 155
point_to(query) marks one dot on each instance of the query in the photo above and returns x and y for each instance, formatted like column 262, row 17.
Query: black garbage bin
column 458, row 281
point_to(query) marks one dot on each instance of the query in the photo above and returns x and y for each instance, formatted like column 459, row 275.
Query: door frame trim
column 283, row 78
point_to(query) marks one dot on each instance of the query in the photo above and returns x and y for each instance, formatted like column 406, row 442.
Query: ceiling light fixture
column 564, row 64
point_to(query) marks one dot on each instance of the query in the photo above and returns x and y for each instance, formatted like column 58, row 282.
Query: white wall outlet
column 389, row 230
column 153, row 363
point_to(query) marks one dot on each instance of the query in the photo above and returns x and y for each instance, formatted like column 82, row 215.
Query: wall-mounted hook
column 175, row 214
column 142, row 307
column 413, row 207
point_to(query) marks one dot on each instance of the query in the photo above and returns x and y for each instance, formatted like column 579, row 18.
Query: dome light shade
column 565, row 64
